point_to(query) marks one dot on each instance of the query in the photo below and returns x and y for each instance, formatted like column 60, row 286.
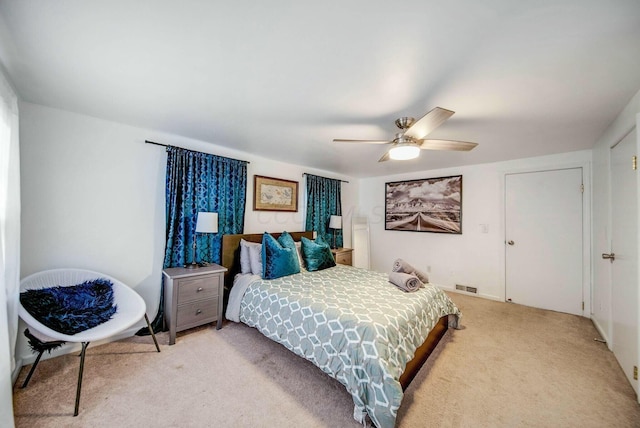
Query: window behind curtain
column 323, row 200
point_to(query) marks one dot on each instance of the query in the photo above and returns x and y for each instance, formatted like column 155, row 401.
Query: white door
column 543, row 248
column 624, row 246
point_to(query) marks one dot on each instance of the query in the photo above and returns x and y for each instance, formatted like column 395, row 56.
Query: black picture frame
column 424, row 205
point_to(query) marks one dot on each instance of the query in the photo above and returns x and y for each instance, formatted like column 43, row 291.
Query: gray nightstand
column 192, row 297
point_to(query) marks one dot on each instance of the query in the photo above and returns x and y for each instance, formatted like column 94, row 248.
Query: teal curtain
column 323, row 201
column 199, row 182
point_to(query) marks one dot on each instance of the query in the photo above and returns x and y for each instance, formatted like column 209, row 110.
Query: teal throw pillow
column 317, row 255
column 277, row 259
column 286, row 240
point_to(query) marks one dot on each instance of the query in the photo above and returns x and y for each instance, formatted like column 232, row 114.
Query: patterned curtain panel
column 323, row 201
column 199, row 182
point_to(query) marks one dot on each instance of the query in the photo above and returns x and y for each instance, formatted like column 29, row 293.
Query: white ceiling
column 281, row 79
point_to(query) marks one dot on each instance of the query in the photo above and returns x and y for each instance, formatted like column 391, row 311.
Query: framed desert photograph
column 427, row 205
column 274, row 194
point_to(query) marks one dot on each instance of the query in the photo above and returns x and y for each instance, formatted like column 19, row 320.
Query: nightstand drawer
column 204, row 287
column 197, row 312
column 343, row 258
column 342, row 255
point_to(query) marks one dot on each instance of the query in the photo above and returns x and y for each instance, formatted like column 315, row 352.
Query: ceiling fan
column 407, row 144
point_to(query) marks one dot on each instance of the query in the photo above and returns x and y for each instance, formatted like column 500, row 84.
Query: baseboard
column 16, row 371
column 466, row 293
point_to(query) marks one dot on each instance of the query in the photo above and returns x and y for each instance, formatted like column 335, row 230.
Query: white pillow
column 300, row 258
column 245, row 267
column 255, row 258
column 248, row 264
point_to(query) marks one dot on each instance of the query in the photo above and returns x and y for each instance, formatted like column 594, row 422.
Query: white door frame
column 586, row 224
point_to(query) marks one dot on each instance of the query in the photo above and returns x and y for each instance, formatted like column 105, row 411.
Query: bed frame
column 231, row 260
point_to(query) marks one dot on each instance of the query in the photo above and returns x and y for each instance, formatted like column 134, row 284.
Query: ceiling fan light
column 404, row 152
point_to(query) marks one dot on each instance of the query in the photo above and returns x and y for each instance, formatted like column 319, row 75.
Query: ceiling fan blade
column 336, row 140
column 384, row 158
column 462, row 146
column 428, row 123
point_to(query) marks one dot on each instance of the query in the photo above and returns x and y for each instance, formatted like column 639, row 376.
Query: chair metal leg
column 151, row 331
column 33, row 369
column 82, row 355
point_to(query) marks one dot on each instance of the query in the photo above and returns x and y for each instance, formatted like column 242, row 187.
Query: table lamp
column 335, row 222
column 206, row 223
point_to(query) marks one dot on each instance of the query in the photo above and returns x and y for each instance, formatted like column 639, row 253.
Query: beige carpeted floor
column 510, row 366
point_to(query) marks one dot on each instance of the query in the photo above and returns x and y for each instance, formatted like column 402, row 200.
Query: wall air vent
column 467, row 288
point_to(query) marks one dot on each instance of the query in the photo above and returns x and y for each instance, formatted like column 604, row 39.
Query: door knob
column 510, row 242
column 611, row 256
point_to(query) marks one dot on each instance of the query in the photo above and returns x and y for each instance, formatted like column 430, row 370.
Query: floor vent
column 467, row 288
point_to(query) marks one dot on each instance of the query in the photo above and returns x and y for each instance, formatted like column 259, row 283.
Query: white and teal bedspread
column 351, row 323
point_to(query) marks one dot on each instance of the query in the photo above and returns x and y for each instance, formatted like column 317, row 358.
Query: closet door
column 544, row 239
column 623, row 256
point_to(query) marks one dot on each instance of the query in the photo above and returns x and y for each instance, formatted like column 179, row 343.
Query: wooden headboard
column 231, row 250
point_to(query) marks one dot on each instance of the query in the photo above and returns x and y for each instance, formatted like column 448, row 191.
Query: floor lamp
column 206, row 223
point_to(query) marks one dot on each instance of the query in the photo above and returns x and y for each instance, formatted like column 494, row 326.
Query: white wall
column 619, row 128
column 93, row 197
column 9, row 241
column 472, row 258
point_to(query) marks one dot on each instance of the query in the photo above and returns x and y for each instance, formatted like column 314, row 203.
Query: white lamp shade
column 207, row 223
column 335, row 222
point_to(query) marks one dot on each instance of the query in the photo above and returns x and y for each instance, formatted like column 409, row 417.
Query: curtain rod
column 306, row 173
column 168, row 145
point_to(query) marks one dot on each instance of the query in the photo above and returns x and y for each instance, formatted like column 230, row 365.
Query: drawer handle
column 199, row 289
column 199, row 311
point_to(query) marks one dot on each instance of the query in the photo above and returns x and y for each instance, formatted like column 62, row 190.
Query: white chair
column 130, row 309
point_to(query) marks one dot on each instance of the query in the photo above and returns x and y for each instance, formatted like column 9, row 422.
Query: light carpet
column 509, row 366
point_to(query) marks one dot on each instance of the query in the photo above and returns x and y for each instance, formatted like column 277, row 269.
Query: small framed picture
column 274, row 194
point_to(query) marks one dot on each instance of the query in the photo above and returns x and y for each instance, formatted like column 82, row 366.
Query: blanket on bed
column 351, row 323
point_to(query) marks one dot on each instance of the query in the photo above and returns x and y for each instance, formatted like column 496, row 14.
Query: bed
column 350, row 322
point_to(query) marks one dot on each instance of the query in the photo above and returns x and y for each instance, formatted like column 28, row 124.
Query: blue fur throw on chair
column 70, row 310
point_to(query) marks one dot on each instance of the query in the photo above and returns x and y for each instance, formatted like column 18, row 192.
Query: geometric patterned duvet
column 351, row 323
